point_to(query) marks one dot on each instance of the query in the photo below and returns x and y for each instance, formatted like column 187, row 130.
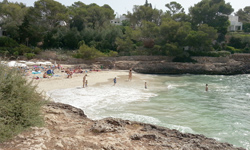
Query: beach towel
column 36, row 72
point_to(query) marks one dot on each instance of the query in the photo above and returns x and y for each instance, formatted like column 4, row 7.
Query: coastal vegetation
column 20, row 104
column 86, row 31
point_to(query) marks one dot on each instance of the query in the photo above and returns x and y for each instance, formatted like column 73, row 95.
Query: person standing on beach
column 206, row 87
column 84, row 81
column 130, row 75
column 145, row 85
column 114, row 81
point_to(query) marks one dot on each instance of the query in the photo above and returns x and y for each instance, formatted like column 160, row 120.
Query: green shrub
column 4, row 51
column 20, row 104
column 112, row 54
column 172, row 49
column 86, row 52
column 30, row 55
column 22, row 49
column 184, row 59
column 247, row 50
column 16, row 53
column 223, row 53
column 234, row 50
column 36, row 50
column 139, row 51
column 7, row 42
column 209, row 53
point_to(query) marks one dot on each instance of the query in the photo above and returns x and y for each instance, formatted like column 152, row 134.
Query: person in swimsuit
column 130, row 75
column 84, row 80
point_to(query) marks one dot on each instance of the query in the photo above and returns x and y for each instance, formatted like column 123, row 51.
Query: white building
column 235, row 25
column 62, row 23
column 118, row 21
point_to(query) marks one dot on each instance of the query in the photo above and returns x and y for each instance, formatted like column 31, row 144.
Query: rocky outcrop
column 235, row 64
column 164, row 65
column 160, row 67
column 68, row 128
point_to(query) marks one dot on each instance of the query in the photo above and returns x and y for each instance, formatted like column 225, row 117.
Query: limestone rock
column 69, row 128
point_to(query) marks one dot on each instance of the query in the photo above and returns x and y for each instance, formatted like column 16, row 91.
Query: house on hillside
column 118, row 21
column 62, row 23
column 235, row 25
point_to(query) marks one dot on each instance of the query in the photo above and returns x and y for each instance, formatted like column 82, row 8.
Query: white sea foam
column 170, row 86
column 95, row 100
column 182, row 128
column 248, row 94
column 173, row 86
column 136, row 117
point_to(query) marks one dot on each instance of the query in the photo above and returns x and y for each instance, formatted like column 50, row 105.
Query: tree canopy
column 145, row 31
column 213, row 13
column 244, row 14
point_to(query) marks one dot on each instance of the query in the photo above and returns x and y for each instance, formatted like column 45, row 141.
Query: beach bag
column 50, row 72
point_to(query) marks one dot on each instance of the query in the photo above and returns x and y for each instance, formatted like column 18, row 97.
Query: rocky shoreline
column 67, row 127
column 229, row 68
column 233, row 65
column 204, row 65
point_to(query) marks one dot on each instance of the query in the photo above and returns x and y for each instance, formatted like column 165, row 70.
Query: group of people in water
column 129, row 78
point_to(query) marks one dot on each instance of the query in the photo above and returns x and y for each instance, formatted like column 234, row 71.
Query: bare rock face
column 161, row 67
column 68, row 128
column 165, row 65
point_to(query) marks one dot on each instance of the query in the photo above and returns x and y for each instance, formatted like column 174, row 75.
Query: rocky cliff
column 68, row 128
column 204, row 65
column 231, row 65
column 160, row 67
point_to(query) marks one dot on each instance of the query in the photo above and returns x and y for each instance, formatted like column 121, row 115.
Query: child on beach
column 130, row 75
column 45, row 75
column 114, row 81
column 86, row 83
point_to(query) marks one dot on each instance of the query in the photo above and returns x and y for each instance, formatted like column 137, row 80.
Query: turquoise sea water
column 177, row 102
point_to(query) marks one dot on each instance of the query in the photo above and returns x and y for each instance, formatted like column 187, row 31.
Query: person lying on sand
column 78, row 71
column 45, row 75
column 36, row 77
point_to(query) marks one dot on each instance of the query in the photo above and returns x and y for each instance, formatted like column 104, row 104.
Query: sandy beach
column 94, row 78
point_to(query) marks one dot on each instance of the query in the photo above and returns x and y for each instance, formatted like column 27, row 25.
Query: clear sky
column 122, row 6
